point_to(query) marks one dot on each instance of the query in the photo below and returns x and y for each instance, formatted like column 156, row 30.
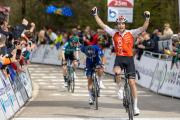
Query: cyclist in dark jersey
column 70, row 51
column 94, row 59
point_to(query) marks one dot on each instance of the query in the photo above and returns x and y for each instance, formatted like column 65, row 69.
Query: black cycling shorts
column 70, row 56
column 127, row 63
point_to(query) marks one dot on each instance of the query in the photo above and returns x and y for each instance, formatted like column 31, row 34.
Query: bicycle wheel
column 68, row 84
column 95, row 90
column 69, row 80
column 129, row 103
column 72, row 84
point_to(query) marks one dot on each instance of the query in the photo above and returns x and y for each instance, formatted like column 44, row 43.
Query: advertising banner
column 26, row 83
column 146, row 67
column 82, row 58
column 118, row 8
column 10, row 92
column 171, row 83
column 51, row 55
column 5, row 101
column 29, row 82
column 22, row 89
column 2, row 116
column 14, row 84
column 110, row 58
column 158, row 76
column 37, row 54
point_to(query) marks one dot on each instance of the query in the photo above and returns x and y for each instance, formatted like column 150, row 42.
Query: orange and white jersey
column 123, row 42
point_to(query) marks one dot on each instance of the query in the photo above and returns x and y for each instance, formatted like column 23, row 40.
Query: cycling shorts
column 91, row 64
column 70, row 56
column 127, row 63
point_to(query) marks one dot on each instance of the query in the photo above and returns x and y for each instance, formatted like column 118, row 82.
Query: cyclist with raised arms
column 123, row 41
column 70, row 50
column 94, row 59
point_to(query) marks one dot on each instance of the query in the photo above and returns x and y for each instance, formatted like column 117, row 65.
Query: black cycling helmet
column 90, row 52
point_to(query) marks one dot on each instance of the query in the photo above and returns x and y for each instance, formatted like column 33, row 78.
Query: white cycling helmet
column 121, row 19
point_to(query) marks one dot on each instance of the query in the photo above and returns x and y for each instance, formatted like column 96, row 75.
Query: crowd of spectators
column 160, row 41
column 86, row 37
column 16, row 44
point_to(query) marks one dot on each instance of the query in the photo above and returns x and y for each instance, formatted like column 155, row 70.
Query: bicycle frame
column 70, row 76
column 128, row 101
column 96, row 89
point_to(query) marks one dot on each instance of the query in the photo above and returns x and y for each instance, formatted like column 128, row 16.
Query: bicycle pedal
column 136, row 114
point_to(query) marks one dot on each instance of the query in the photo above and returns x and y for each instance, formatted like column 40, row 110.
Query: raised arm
column 146, row 23
column 139, row 30
column 94, row 12
column 109, row 30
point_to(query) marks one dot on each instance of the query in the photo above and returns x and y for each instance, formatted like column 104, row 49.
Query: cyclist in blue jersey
column 70, row 51
column 94, row 59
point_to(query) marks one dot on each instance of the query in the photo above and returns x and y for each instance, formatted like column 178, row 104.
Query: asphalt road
column 52, row 101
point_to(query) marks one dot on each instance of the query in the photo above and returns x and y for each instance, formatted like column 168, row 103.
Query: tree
column 161, row 11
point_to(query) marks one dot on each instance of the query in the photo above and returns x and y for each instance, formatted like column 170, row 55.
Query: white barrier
column 5, row 100
column 110, row 58
column 155, row 73
column 2, row 116
column 146, row 69
column 17, row 92
column 26, row 83
column 51, row 55
column 46, row 55
column 10, row 92
column 13, row 93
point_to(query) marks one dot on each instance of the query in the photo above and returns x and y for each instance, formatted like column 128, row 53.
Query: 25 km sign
column 120, row 7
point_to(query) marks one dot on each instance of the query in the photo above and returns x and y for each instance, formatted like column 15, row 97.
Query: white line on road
column 75, row 118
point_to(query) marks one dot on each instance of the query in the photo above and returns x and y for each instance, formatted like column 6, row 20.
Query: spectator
column 175, row 52
column 41, row 37
column 87, row 38
column 65, row 37
column 155, row 39
column 52, row 35
column 148, row 43
column 139, row 51
column 167, row 32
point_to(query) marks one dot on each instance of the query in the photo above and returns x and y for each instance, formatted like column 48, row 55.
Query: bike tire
column 95, row 91
column 69, row 81
column 72, row 82
column 130, row 103
column 68, row 84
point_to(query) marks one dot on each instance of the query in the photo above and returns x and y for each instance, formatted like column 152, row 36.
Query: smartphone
column 18, row 54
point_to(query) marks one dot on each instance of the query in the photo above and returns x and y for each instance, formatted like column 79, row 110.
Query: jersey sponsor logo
column 123, row 44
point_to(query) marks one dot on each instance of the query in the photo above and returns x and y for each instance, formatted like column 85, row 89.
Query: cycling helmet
column 90, row 52
column 121, row 19
column 75, row 39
